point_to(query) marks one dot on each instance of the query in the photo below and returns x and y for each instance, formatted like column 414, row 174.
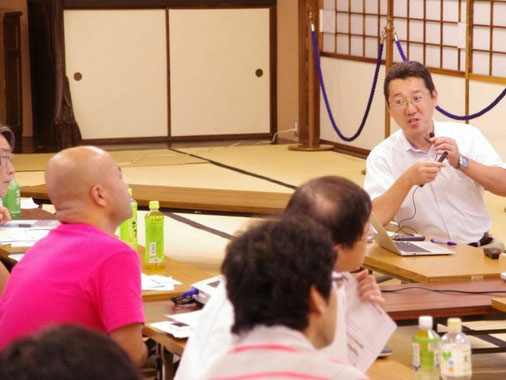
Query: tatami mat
column 125, row 158
column 282, row 164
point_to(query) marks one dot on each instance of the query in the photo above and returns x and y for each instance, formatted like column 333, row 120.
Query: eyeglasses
column 5, row 159
column 400, row 104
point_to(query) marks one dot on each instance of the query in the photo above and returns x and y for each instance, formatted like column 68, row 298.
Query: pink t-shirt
column 77, row 274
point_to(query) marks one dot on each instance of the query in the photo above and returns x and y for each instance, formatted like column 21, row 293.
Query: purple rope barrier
column 324, row 92
column 448, row 114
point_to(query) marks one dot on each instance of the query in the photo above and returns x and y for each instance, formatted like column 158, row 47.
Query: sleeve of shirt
column 483, row 152
column 211, row 338
column 119, row 296
column 378, row 176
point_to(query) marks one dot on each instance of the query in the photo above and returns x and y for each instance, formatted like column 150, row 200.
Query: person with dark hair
column 407, row 160
column 66, row 352
column 279, row 279
column 7, row 142
column 340, row 206
column 80, row 273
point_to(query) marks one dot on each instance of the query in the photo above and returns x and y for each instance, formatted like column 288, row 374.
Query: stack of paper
column 179, row 325
column 156, row 282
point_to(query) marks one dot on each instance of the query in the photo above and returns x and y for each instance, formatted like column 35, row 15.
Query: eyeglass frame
column 400, row 104
column 5, row 159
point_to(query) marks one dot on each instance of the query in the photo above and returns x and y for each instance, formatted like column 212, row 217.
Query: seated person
column 80, row 273
column 344, row 209
column 66, row 352
column 279, row 277
column 6, row 172
column 450, row 205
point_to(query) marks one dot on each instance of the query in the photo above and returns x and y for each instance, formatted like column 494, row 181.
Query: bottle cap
column 425, row 322
column 154, row 204
column 129, row 191
column 454, row 325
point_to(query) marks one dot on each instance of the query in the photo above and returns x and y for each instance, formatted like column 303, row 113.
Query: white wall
column 348, row 85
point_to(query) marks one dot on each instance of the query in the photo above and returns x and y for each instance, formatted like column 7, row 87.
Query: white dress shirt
column 212, row 336
column 450, row 207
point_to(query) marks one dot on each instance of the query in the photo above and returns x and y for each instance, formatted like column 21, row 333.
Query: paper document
column 10, row 235
column 179, row 325
column 17, row 256
column 156, row 282
column 36, row 224
column 28, row 203
column 368, row 327
column 207, row 288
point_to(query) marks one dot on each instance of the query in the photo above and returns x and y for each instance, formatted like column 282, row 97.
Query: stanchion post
column 389, row 55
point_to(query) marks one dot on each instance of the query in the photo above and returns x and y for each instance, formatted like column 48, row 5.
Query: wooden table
column 499, row 303
column 155, row 311
column 408, row 305
column 188, row 198
column 468, row 263
column 184, row 273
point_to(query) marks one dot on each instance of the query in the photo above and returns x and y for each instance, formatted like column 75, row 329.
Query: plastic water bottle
column 154, row 256
column 455, row 353
column 426, row 348
column 128, row 229
column 12, row 200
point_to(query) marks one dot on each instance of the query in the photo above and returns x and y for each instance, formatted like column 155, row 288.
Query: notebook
column 406, row 248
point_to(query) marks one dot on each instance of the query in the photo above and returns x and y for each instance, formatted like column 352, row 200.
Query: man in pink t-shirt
column 80, row 273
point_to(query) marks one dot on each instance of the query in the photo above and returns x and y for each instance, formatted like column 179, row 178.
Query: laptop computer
column 406, row 248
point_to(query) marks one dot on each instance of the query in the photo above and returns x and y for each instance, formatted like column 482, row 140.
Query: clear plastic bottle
column 455, row 353
column 12, row 200
column 128, row 229
column 426, row 348
column 154, row 257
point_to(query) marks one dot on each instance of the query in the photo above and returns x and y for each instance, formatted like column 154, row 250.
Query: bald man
column 80, row 273
column 6, row 173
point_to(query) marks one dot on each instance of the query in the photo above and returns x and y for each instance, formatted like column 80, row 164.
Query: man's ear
column 97, row 195
column 434, row 97
column 317, row 303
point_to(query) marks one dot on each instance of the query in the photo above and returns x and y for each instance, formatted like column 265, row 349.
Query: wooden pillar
column 309, row 94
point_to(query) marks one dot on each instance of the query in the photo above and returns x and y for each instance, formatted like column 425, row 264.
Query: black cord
column 411, row 217
column 444, row 290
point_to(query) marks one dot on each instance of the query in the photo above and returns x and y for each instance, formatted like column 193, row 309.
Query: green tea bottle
column 154, row 255
column 12, row 200
column 128, row 229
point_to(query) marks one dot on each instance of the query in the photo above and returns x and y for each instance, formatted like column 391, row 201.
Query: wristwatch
column 463, row 162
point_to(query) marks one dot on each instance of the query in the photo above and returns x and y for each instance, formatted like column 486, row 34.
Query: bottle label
column 456, row 361
column 416, row 356
column 152, row 250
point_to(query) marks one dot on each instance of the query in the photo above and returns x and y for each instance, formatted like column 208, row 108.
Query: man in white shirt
column 448, row 202
column 280, row 280
column 344, row 209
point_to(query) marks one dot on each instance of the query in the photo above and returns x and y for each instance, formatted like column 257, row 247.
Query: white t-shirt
column 451, row 206
column 212, row 337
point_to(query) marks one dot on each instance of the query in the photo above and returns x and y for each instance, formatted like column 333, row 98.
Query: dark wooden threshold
column 347, row 149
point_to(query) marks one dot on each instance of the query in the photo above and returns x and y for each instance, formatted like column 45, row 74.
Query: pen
column 190, row 293
column 441, row 241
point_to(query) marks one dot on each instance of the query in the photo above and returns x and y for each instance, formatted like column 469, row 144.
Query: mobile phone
column 408, row 237
column 493, row 253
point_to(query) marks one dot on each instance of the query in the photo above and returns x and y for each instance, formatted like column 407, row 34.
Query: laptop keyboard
column 406, row 246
